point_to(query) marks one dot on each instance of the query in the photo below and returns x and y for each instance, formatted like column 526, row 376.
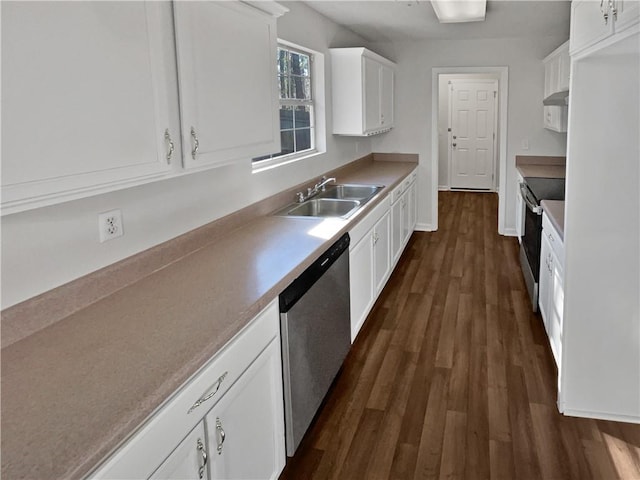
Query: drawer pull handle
column 196, row 143
column 167, row 138
column 203, row 452
column 216, row 386
column 222, row 435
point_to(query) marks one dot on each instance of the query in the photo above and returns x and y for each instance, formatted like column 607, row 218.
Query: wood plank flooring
column 452, row 376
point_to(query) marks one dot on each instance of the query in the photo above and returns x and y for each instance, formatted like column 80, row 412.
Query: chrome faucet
column 312, row 191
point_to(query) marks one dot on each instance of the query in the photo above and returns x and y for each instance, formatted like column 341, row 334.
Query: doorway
column 442, row 138
column 472, row 122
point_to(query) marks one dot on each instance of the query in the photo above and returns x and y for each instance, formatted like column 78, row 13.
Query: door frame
column 502, row 118
column 462, row 81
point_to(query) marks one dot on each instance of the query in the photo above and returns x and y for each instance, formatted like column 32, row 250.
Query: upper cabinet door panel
column 228, row 82
column 588, row 24
column 371, row 83
column 85, row 99
column 386, row 97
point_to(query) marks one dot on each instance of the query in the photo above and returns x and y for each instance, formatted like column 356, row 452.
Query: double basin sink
column 336, row 201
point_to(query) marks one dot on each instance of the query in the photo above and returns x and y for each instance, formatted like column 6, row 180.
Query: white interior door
column 472, row 140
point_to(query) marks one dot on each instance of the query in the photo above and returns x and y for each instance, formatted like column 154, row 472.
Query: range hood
column 558, row 98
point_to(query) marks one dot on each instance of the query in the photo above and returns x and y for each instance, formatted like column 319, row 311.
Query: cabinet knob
column 167, row 138
column 221, row 435
column 605, row 13
column 203, row 453
column 613, row 10
column 196, row 143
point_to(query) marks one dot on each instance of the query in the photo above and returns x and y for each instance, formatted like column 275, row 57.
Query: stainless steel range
column 533, row 190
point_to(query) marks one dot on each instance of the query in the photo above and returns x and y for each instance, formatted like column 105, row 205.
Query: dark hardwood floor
column 452, row 376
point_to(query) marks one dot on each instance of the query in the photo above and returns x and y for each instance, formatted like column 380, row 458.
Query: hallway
column 452, row 377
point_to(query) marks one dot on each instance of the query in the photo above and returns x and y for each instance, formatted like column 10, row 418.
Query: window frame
column 275, row 159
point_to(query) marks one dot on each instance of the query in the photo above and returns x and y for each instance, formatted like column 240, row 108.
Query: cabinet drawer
column 403, row 186
column 555, row 240
column 367, row 223
column 157, row 437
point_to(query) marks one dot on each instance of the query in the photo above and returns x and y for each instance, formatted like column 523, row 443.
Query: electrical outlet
column 110, row 225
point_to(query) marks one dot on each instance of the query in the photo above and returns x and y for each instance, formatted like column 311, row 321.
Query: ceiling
column 406, row 20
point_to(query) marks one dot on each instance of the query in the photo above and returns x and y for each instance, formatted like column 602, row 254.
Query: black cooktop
column 546, row 188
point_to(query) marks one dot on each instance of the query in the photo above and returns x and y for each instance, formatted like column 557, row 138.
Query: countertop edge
column 122, row 431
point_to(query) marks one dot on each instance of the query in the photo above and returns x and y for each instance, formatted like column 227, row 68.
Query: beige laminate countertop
column 75, row 390
column 555, row 211
column 541, row 166
column 542, row 171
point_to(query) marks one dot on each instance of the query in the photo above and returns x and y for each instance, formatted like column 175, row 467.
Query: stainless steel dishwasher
column 316, row 336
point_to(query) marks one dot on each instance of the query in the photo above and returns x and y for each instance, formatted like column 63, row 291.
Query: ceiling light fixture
column 458, row 11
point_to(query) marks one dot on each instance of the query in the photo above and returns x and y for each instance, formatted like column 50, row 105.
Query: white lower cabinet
column 189, row 460
column 520, row 208
column 376, row 245
column 245, row 428
column 227, row 421
column 369, row 263
column 551, row 293
column 403, row 215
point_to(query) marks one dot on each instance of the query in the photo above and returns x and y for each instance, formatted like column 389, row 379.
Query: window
column 297, row 122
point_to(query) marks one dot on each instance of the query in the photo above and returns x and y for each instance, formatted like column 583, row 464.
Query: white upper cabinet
column 362, row 87
column 86, row 99
column 593, row 21
column 556, row 70
column 228, row 82
column 91, row 102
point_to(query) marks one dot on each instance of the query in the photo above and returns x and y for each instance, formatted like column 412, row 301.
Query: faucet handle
column 300, row 197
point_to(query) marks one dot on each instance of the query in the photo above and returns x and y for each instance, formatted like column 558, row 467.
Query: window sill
column 270, row 163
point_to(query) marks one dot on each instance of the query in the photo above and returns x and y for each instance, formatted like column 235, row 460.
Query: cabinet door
column 406, row 225
column 381, row 252
column 371, row 79
column 245, row 430
column 85, row 99
column 520, row 211
column 627, row 14
column 386, row 97
column 360, row 282
column 555, row 118
column 546, row 279
column 551, row 70
column 188, row 460
column 564, row 66
column 228, row 82
column 555, row 308
column 588, row 24
column 413, row 206
column 396, row 229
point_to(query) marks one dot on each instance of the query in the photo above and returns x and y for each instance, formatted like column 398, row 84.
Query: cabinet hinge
column 495, row 94
column 448, row 129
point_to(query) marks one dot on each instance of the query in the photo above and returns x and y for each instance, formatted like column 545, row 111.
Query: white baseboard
column 510, row 232
column 602, row 416
column 424, row 227
column 443, row 188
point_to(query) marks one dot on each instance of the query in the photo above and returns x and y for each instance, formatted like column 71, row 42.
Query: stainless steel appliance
column 533, row 190
column 316, row 336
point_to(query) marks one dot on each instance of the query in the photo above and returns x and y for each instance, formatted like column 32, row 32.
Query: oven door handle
column 530, row 202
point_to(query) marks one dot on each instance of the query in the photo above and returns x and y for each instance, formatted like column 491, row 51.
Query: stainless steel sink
column 322, row 207
column 339, row 201
column 361, row 193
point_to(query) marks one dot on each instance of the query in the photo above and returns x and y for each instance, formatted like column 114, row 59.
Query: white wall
column 47, row 247
column 415, row 61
